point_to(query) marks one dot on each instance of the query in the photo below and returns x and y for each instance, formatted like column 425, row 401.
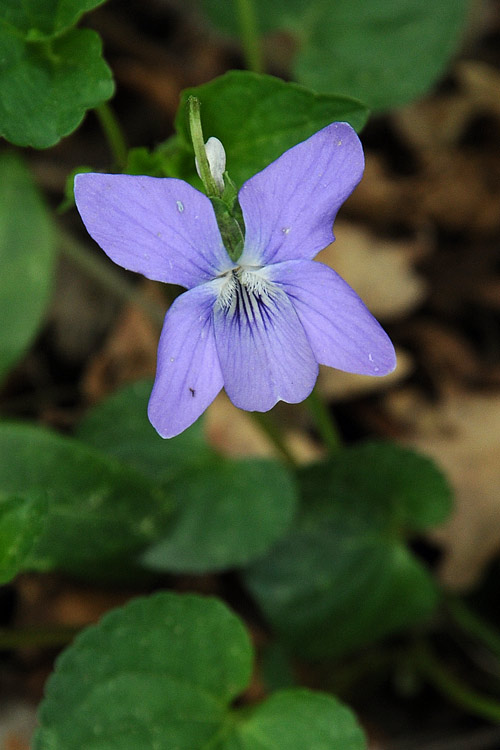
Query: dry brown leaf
column 380, row 271
column 128, row 354
column 447, row 355
column 438, row 122
column 463, row 436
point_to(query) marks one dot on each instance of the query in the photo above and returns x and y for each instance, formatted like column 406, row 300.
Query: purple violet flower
column 260, row 325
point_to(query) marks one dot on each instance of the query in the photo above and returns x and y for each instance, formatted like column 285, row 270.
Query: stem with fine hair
column 473, row 624
column 247, row 19
column 100, row 271
column 113, row 132
column 452, row 687
column 267, row 425
column 324, row 421
column 196, row 131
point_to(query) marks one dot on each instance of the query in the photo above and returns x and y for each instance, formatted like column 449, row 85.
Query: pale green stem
column 267, row 425
column 194, row 119
column 324, row 422
column 249, row 32
column 452, row 687
column 471, row 623
column 100, row 271
column 44, row 637
column 113, row 132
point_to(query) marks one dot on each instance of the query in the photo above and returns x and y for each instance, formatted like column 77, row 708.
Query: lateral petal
column 289, row 208
column 188, row 375
column 263, row 351
column 160, row 227
column 341, row 330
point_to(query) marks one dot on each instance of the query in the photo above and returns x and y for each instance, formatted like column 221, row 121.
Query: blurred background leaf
column 21, row 523
column 227, row 512
column 345, row 577
column 27, row 253
column 383, row 53
column 100, row 512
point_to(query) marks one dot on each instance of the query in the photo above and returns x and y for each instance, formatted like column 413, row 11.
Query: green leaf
column 379, row 51
column 27, row 251
column 21, row 523
column 344, row 577
column 258, row 117
column 100, row 512
column 47, row 86
column 227, row 512
column 231, row 512
column 119, row 427
column 43, row 19
column 161, row 672
column 298, row 719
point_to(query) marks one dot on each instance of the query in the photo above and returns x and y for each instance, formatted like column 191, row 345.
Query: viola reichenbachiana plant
column 258, row 323
column 324, row 551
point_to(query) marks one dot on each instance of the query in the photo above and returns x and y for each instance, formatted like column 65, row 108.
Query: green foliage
column 50, row 73
column 231, row 512
column 256, row 117
column 382, row 52
column 37, row 20
column 344, row 576
column 27, row 250
column 99, row 511
column 21, row 522
column 191, row 657
column 227, row 512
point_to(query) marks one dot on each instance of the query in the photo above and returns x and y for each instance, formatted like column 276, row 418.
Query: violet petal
column 289, row 208
column 188, row 375
column 263, row 351
column 160, row 227
column 341, row 330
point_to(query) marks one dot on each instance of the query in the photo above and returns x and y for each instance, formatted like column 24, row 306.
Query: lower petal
column 341, row 330
column 263, row 351
column 188, row 374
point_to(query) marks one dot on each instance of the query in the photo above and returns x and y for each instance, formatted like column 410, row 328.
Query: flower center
column 245, row 291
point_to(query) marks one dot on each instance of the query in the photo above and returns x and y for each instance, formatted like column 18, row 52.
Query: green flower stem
column 471, row 623
column 43, row 637
column 267, row 425
column 113, row 132
column 452, row 687
column 101, row 272
column 194, row 119
column 324, row 422
column 249, row 33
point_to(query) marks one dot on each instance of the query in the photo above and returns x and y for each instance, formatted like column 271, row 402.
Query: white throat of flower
column 216, row 161
column 246, row 290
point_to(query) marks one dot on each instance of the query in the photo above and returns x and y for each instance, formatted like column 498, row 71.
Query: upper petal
column 341, row 330
column 263, row 351
column 188, row 375
column 160, row 227
column 289, row 208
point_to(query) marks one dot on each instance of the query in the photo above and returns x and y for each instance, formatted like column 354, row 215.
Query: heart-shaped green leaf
column 161, row 673
column 258, row 117
column 344, row 576
column 48, row 85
